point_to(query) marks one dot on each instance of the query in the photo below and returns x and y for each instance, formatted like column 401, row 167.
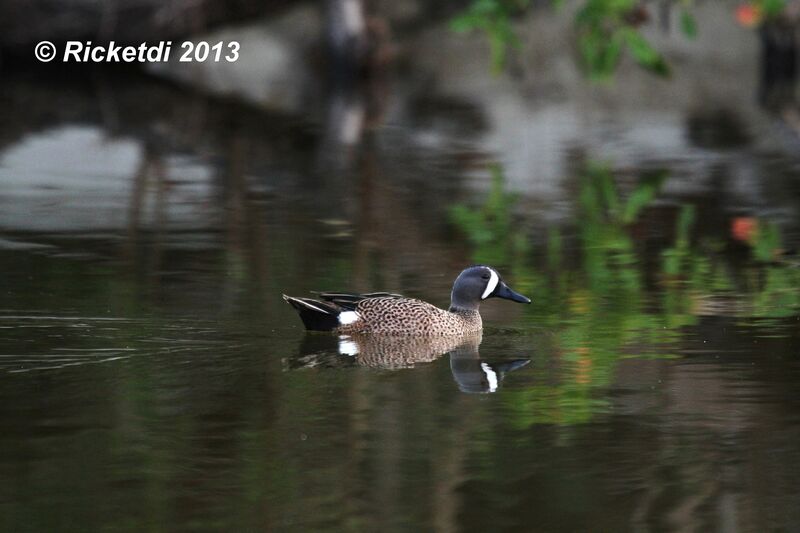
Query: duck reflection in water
column 471, row 373
column 474, row 375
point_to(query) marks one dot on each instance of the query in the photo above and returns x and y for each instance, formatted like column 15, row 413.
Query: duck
column 393, row 314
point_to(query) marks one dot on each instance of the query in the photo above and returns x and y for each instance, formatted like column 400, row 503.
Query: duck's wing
column 349, row 301
column 316, row 315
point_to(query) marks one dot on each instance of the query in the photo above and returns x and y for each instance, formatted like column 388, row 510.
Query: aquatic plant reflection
column 609, row 303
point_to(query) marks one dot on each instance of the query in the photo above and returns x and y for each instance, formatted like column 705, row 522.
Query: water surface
column 154, row 379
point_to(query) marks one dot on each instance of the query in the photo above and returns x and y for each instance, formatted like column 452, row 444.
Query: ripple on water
column 54, row 341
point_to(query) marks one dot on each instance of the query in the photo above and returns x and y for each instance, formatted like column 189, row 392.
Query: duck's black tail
column 316, row 315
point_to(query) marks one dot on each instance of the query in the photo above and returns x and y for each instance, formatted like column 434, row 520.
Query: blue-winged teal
column 385, row 313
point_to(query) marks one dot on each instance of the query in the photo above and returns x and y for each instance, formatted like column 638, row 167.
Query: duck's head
column 477, row 283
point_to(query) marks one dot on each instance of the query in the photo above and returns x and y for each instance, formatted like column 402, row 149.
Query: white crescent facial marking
column 492, row 285
column 491, row 376
column 348, row 317
column 347, row 346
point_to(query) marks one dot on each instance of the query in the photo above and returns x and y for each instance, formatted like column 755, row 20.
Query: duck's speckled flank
column 403, row 316
column 391, row 314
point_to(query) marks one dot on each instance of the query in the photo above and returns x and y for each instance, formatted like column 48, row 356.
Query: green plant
column 591, row 291
column 494, row 18
column 490, row 227
column 606, row 29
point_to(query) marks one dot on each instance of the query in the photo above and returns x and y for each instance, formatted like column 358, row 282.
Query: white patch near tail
column 491, row 376
column 348, row 317
column 492, row 285
column 347, row 346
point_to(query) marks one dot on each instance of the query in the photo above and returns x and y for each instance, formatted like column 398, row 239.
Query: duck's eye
column 486, row 276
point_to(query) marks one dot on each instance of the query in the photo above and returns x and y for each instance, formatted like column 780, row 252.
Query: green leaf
column 772, row 8
column 688, row 24
column 464, row 23
column 497, row 48
column 684, row 226
column 644, row 53
column 641, row 197
column 610, row 56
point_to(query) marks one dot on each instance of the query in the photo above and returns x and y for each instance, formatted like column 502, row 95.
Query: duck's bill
column 504, row 291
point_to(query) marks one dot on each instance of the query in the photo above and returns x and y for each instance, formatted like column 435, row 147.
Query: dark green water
column 152, row 378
